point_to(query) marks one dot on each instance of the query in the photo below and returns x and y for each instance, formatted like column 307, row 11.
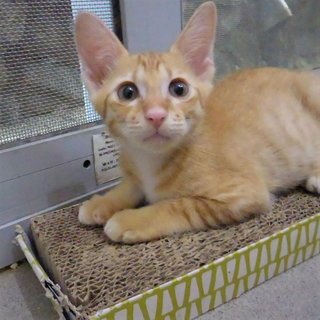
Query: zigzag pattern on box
column 212, row 285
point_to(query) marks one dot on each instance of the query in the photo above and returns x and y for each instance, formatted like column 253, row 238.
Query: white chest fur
column 147, row 166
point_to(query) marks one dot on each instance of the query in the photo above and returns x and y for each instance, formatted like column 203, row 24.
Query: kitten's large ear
column 196, row 41
column 98, row 49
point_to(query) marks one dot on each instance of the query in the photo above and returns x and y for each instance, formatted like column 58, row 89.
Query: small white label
column 106, row 157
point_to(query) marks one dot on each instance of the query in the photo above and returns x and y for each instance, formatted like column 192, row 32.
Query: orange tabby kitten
column 201, row 156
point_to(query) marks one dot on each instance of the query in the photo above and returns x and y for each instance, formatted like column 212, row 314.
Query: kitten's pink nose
column 156, row 116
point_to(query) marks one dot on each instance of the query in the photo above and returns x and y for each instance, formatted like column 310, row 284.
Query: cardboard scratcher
column 178, row 277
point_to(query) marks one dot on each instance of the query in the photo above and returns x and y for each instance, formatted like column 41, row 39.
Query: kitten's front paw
column 125, row 226
column 94, row 211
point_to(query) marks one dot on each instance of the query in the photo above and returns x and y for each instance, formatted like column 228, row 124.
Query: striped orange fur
column 210, row 156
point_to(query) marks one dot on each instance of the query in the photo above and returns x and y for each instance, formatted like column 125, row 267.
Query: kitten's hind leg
column 313, row 183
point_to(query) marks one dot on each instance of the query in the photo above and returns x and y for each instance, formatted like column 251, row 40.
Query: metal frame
column 143, row 30
column 41, row 176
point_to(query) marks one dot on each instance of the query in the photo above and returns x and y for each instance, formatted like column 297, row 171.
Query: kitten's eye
column 128, row 91
column 178, row 88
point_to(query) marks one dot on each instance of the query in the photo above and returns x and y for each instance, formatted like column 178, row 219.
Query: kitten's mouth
column 156, row 137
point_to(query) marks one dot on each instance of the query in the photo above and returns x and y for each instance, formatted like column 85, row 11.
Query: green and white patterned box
column 206, row 288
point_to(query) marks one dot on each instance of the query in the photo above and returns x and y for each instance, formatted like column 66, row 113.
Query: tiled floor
column 294, row 295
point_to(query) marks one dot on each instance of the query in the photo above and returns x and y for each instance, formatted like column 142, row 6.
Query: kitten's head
column 153, row 100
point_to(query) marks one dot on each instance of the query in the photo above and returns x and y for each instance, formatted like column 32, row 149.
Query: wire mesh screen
column 264, row 33
column 40, row 87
